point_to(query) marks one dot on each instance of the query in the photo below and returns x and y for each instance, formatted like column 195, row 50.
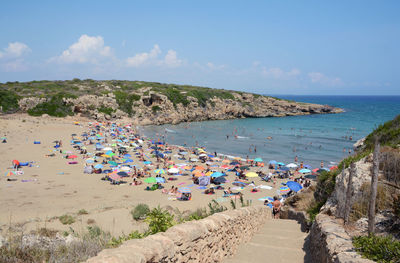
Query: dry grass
column 303, row 200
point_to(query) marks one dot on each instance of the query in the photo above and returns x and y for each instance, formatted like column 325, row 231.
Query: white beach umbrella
column 173, row 170
column 107, row 149
column 291, row 165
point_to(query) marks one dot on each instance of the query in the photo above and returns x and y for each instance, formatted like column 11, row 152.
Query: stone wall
column 329, row 242
column 208, row 240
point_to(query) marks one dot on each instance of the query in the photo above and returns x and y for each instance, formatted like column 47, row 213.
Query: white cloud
column 319, row 78
column 151, row 58
column 15, row 50
column 143, row 58
column 279, row 73
column 11, row 59
column 87, row 49
column 212, row 66
column 171, row 59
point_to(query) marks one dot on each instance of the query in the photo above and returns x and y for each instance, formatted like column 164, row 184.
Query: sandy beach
column 52, row 187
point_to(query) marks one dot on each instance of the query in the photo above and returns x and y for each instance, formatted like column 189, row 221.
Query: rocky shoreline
column 155, row 109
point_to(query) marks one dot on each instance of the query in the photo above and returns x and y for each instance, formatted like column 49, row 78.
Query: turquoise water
column 312, row 138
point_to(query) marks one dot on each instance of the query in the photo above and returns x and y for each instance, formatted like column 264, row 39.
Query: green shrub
column 8, row 101
column 55, row 106
column 384, row 249
column 314, row 210
column 125, row 101
column 106, row 110
column 140, row 211
column 82, row 212
column 115, row 242
column 198, row 214
column 159, row 220
column 215, row 207
column 67, row 219
column 175, row 96
column 155, row 108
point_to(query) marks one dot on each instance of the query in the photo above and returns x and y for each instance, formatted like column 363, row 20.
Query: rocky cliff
column 152, row 103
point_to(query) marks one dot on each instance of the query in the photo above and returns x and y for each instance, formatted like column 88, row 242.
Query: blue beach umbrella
column 273, row 162
column 259, row 160
column 294, row 186
column 98, row 166
column 184, row 190
column 160, row 180
column 89, row 161
column 217, row 174
column 127, row 155
column 305, row 171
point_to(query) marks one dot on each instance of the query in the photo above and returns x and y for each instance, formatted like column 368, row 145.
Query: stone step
column 279, row 241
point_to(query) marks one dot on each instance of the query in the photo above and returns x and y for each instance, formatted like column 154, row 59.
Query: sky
column 267, row 47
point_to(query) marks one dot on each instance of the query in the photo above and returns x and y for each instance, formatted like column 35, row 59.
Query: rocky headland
column 145, row 103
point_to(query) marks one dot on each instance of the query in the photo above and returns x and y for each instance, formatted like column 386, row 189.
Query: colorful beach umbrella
column 251, row 174
column 184, row 190
column 150, row 180
column 159, row 171
column 284, row 190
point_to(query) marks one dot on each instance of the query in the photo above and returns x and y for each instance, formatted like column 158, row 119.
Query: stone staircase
column 278, row 241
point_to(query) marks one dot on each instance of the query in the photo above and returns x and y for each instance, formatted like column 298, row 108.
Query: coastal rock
column 28, row 103
column 336, row 202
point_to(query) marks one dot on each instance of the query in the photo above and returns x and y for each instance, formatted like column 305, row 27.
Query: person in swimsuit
column 276, row 207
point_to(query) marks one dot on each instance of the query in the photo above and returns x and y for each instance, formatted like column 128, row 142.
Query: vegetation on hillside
column 54, row 106
column 126, row 93
column 8, row 101
column 383, row 249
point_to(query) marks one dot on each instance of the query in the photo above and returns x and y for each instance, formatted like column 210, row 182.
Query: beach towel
column 74, row 162
column 190, row 185
column 267, row 187
column 36, row 142
column 181, row 183
column 201, row 187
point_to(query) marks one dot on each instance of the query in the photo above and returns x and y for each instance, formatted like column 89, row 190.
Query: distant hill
column 144, row 102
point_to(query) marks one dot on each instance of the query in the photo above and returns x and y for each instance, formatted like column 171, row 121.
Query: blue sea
column 313, row 138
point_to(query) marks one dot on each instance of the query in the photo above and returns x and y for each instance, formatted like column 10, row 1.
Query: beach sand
column 52, row 187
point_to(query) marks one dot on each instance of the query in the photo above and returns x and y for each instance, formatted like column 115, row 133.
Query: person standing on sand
column 276, row 207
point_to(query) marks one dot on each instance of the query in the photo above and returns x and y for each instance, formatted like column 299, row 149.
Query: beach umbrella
column 72, row 157
column 220, row 180
column 244, row 168
column 251, row 174
column 224, row 166
column 294, row 186
column 307, row 166
column 198, row 173
column 273, row 162
column 150, row 180
column 203, row 155
column 89, row 161
column 291, row 165
column 333, row 168
column 226, row 161
column 125, row 168
column 284, row 169
column 173, row 170
column 123, row 174
column 114, row 176
column 10, row 173
column 259, row 160
column 284, row 190
column 217, row 174
column 234, row 163
column 147, row 162
column 128, row 161
column 184, row 190
column 112, row 163
column 199, row 168
column 159, row 171
column 160, row 180
column 98, row 166
column 107, row 149
column 305, row 171
column 127, row 155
